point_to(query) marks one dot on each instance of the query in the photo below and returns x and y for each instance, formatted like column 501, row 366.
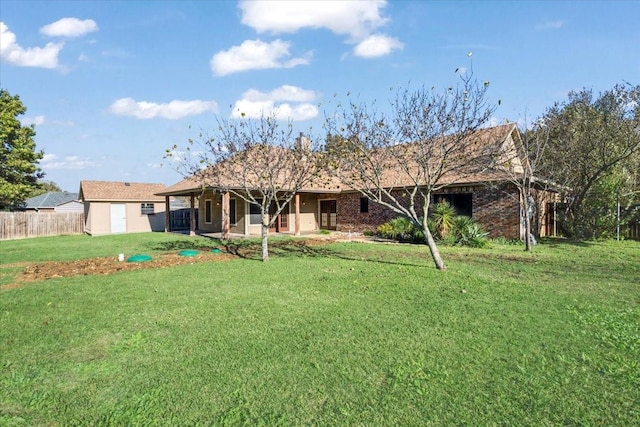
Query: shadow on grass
column 251, row 249
column 315, row 250
column 555, row 242
column 183, row 244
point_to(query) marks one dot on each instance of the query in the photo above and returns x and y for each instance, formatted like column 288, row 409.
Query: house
column 54, row 201
column 122, row 207
column 488, row 197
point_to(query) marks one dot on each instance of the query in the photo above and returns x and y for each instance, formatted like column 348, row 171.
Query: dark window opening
column 461, row 202
column 364, row 205
column 232, row 211
column 207, row 211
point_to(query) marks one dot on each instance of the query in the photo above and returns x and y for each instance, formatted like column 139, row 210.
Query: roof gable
column 91, row 191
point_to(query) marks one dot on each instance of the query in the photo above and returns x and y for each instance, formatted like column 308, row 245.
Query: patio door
column 328, row 215
column 118, row 218
column 282, row 223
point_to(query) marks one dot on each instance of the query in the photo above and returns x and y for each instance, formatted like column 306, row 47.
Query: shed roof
column 97, row 191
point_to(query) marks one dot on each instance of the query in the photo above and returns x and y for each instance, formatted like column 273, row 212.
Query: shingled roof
column 112, row 191
column 50, row 200
column 497, row 139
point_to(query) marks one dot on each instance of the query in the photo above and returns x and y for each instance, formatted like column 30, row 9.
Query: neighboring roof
column 103, row 191
column 50, row 200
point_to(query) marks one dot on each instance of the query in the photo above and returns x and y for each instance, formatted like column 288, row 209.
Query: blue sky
column 111, row 84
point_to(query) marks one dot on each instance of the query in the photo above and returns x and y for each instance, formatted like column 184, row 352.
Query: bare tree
column 518, row 164
column 259, row 161
column 426, row 142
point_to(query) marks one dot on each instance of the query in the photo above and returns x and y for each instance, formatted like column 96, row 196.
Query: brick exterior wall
column 350, row 219
column 496, row 211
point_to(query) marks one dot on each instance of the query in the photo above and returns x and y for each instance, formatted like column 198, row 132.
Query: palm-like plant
column 466, row 232
column 443, row 215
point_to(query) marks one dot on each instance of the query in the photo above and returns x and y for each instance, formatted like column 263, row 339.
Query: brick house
column 488, row 198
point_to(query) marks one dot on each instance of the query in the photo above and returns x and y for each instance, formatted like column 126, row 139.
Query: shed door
column 118, row 218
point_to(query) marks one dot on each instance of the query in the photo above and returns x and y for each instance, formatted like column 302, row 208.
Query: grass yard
column 339, row 334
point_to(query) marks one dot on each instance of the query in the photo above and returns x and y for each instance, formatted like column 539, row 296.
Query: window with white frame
column 147, row 208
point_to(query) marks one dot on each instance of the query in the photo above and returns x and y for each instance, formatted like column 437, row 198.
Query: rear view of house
column 487, row 196
column 122, row 207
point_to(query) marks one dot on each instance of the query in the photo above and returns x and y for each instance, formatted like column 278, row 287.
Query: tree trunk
column 435, row 253
column 527, row 223
column 265, row 244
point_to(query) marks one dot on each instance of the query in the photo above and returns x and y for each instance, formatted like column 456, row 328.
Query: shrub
column 462, row 231
column 466, row 232
column 400, row 229
column 442, row 217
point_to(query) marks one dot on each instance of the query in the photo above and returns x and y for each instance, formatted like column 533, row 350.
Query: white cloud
column 173, row 110
column 255, row 55
column 550, row 25
column 377, row 45
column 28, row 121
column 285, row 103
column 357, row 19
column 354, row 18
column 51, row 161
column 13, row 53
column 69, row 27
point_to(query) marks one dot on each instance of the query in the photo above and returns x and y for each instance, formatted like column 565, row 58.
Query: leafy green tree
column 592, row 145
column 19, row 171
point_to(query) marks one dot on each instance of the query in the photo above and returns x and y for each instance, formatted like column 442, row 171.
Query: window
column 364, row 205
column 255, row 216
column 461, row 202
column 232, row 211
column 147, row 208
column 207, row 211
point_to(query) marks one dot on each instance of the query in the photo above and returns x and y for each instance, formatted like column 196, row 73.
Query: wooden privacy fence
column 632, row 231
column 20, row 225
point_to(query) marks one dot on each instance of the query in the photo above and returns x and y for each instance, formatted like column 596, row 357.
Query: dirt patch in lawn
column 35, row 272
column 38, row 271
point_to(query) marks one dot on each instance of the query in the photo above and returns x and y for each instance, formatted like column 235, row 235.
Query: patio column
column 225, row 216
column 192, row 216
column 297, row 214
column 167, row 215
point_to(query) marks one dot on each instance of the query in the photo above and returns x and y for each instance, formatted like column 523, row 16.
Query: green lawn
column 341, row 334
